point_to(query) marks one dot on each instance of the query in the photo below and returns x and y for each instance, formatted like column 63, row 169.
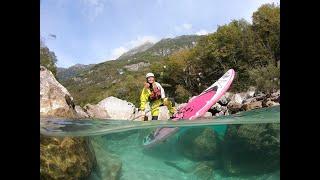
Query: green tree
column 266, row 23
column 181, row 94
column 47, row 58
column 250, row 49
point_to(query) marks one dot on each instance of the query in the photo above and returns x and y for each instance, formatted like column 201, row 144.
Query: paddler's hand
column 146, row 85
column 166, row 102
column 142, row 114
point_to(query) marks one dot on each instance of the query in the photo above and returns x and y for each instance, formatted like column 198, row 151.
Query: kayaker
column 153, row 93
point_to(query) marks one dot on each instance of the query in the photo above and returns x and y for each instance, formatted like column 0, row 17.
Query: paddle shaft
column 140, row 115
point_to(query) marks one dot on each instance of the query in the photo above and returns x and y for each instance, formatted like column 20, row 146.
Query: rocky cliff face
column 55, row 100
column 61, row 158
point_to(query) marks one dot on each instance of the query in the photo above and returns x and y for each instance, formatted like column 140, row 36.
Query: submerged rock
column 108, row 165
column 205, row 169
column 251, row 148
column 199, row 144
column 117, row 108
column 66, row 158
column 55, row 100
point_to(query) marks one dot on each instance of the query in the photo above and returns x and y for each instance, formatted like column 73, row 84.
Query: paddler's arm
column 143, row 98
column 163, row 95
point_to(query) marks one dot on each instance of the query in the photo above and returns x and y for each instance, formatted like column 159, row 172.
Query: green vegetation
column 48, row 58
column 189, row 64
column 252, row 50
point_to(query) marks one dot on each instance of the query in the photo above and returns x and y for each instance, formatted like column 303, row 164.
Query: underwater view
column 245, row 145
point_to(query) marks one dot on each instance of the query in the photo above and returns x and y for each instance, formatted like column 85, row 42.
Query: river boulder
column 55, row 100
column 109, row 165
column 66, row 158
column 199, row 144
column 117, row 108
column 251, row 149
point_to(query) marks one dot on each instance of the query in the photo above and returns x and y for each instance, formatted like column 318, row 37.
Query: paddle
column 140, row 115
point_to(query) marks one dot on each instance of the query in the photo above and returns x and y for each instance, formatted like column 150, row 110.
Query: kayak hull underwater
column 196, row 107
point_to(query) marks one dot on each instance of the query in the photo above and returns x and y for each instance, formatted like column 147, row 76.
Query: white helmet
column 149, row 75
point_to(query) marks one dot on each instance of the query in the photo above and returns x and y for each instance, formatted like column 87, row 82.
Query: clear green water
column 248, row 146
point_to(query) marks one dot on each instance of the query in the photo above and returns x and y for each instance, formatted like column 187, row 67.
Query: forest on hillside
column 252, row 50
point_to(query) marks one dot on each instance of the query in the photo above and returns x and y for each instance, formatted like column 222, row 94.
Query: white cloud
column 202, row 32
column 117, row 52
column 93, row 8
column 141, row 40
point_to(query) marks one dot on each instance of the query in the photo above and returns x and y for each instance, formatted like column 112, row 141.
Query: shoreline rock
column 80, row 111
column 245, row 101
column 55, row 100
column 66, row 157
column 95, row 111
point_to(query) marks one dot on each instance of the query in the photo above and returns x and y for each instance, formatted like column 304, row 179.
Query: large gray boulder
column 117, row 108
column 55, row 100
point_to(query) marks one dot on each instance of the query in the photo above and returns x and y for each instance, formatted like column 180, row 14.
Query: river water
column 245, row 145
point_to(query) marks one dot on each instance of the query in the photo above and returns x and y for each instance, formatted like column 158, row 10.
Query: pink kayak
column 196, row 107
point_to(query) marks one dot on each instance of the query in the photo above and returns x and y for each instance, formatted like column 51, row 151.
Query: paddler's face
column 150, row 79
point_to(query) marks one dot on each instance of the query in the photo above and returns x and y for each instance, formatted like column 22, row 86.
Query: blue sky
column 93, row 31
